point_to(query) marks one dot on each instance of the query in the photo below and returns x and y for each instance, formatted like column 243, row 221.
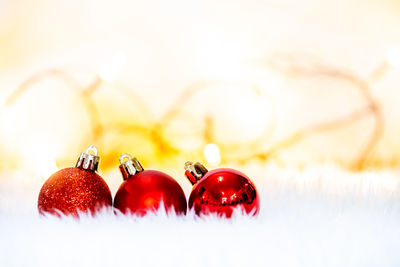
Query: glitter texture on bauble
column 76, row 190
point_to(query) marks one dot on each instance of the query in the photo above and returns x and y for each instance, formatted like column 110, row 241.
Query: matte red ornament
column 75, row 190
column 220, row 191
column 143, row 191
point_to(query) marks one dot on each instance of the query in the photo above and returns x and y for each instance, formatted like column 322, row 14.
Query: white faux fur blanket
column 317, row 217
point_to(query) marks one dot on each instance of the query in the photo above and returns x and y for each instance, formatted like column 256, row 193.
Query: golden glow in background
column 227, row 83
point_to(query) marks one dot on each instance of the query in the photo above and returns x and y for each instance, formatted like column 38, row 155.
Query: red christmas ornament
column 144, row 190
column 220, row 191
column 74, row 190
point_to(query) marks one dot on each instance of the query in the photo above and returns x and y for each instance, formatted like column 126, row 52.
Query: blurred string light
column 155, row 130
column 246, row 110
column 393, row 56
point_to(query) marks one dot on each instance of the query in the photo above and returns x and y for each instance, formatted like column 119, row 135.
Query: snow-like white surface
column 321, row 216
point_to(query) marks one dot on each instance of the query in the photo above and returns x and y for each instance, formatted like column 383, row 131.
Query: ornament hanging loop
column 91, row 149
column 89, row 161
column 129, row 166
column 194, row 171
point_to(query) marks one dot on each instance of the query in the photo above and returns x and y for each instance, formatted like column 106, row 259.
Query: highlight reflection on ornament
column 220, row 191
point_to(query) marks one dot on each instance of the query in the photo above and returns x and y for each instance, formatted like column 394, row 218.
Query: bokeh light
column 212, row 154
column 393, row 56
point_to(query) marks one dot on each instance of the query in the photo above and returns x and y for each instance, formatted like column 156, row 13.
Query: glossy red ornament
column 220, row 191
column 75, row 190
column 143, row 191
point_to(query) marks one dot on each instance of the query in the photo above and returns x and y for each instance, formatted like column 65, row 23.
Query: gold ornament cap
column 89, row 161
column 194, row 171
column 129, row 166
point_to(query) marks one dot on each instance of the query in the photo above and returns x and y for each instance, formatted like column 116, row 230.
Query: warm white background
column 310, row 215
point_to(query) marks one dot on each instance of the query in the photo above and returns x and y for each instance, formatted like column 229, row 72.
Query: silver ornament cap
column 194, row 171
column 129, row 166
column 89, row 160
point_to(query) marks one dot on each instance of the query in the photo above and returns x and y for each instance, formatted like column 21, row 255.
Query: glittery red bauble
column 145, row 191
column 221, row 191
column 74, row 190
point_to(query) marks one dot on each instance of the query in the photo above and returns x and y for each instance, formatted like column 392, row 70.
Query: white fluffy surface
column 317, row 217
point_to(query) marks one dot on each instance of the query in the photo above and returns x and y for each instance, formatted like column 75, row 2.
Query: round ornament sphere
column 71, row 191
column 221, row 191
column 144, row 191
column 74, row 190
